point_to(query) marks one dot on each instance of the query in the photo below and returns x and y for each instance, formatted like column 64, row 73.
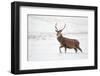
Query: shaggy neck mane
column 60, row 38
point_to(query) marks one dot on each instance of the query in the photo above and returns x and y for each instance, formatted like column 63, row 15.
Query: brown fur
column 68, row 43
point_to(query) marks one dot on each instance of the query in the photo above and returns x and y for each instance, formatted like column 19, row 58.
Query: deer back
column 71, row 43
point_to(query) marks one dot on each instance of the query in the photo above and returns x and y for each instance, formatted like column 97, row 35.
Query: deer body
column 67, row 42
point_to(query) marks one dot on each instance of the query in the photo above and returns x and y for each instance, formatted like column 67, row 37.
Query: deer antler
column 56, row 26
column 63, row 27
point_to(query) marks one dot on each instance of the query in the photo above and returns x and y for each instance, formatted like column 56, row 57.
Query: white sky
column 43, row 23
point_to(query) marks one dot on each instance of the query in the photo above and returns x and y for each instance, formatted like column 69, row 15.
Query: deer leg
column 60, row 49
column 65, row 49
column 75, row 50
column 80, row 49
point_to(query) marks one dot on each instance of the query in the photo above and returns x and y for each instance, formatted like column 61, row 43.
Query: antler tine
column 56, row 26
column 64, row 26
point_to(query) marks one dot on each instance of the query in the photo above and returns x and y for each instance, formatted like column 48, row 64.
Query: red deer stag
column 66, row 42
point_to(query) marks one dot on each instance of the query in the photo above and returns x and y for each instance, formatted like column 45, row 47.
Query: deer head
column 59, row 31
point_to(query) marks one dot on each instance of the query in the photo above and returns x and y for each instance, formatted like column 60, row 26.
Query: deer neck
column 60, row 38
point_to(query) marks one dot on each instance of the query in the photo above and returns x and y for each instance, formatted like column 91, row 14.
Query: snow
column 40, row 49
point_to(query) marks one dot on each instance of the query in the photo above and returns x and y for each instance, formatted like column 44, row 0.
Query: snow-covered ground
column 45, row 47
